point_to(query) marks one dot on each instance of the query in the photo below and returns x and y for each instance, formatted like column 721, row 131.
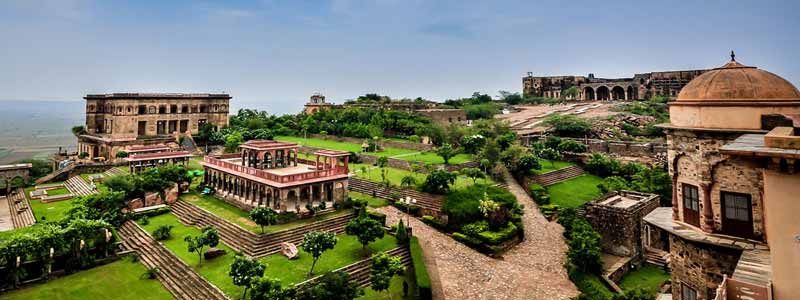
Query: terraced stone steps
column 657, row 257
column 250, row 243
column 177, row 276
column 424, row 200
column 113, row 172
column 360, row 271
column 551, row 178
column 78, row 186
column 20, row 209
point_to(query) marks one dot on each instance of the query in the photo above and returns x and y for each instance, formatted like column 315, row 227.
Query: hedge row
column 420, row 271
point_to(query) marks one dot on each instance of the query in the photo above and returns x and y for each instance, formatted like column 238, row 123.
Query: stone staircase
column 424, row 200
column 252, row 244
column 177, row 277
column 657, row 257
column 360, row 271
column 114, row 172
column 78, row 186
column 553, row 177
column 20, row 209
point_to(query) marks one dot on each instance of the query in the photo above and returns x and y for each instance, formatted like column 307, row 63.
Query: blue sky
column 273, row 54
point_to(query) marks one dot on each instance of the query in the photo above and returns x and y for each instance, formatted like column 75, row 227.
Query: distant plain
column 36, row 129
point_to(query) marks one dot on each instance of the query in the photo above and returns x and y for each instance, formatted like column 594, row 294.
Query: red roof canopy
column 160, row 155
column 261, row 145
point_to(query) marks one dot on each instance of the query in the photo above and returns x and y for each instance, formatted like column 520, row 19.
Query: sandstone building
column 316, row 103
column 121, row 121
column 270, row 174
column 732, row 231
column 587, row 88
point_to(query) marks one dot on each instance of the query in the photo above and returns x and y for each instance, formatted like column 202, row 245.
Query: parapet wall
column 384, row 143
column 620, row 227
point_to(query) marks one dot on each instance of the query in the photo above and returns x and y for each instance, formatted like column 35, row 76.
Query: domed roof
column 737, row 82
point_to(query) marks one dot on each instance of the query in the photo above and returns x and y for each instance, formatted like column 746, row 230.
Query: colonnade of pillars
column 279, row 158
column 138, row 166
column 255, row 194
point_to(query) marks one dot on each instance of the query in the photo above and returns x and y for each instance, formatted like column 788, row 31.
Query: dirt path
column 532, row 270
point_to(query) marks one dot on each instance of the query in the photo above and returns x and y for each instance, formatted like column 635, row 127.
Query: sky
column 272, row 55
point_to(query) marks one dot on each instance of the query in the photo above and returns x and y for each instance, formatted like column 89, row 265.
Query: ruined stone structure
column 721, row 240
column 16, row 175
column 617, row 216
column 116, row 122
column 269, row 174
column 444, row 116
column 316, row 103
column 587, row 88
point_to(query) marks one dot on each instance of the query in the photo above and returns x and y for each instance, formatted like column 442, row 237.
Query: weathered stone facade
column 116, row 122
column 316, row 103
column 640, row 86
column 443, row 116
column 699, row 266
column 617, row 216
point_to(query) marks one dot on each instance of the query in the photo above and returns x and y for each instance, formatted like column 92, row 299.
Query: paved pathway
column 531, row 270
column 6, row 223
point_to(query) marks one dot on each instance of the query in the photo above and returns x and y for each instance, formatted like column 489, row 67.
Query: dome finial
column 733, row 56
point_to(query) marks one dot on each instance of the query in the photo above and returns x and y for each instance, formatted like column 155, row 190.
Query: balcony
column 276, row 177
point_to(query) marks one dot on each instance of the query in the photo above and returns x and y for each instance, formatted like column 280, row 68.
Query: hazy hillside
column 37, row 128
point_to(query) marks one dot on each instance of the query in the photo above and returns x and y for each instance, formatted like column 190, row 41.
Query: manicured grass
column 576, row 191
column 320, row 143
column 347, row 251
column 395, row 291
column 403, row 154
column 238, row 216
column 124, row 169
column 549, row 166
column 395, row 176
column 214, row 270
column 433, row 158
column 648, row 277
column 58, row 191
column 52, row 211
column 100, row 186
column 371, row 201
column 194, row 163
column 118, row 280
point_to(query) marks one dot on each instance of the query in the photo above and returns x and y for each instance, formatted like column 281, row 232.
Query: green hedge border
column 420, row 270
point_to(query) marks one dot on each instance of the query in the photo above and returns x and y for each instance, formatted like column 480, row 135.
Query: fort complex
column 121, row 121
column 732, row 230
column 587, row 88
column 441, row 116
column 269, row 174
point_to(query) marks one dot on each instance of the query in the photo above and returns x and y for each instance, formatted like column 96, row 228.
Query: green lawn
column 100, row 186
column 403, row 154
column 347, row 251
column 320, row 143
column 215, row 270
column 648, row 277
column 395, row 176
column 194, row 163
column 549, row 166
column 52, row 211
column 576, row 191
column 58, row 191
column 238, row 216
column 124, row 169
column 371, row 201
column 118, row 280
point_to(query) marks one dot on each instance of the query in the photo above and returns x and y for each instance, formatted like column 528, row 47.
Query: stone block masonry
column 617, row 216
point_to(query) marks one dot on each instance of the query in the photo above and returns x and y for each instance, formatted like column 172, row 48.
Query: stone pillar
column 675, row 197
column 708, row 216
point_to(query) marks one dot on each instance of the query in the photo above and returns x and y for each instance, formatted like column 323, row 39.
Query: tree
column 317, row 242
column 333, row 286
column 383, row 268
column 567, row 145
column 525, row 164
column 584, row 248
column 438, row 182
column 570, row 93
column 446, row 151
column 402, row 233
column 365, row 229
column 473, row 173
column 568, row 125
column 208, row 237
column 408, row 181
column 121, row 154
column 550, row 154
column 78, row 130
column 264, row 288
column 263, row 216
column 244, row 270
column 613, row 183
column 637, row 294
column 232, row 142
column 39, row 167
column 485, row 164
column 653, row 180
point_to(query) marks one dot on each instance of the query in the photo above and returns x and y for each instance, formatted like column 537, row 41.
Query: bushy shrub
column 613, row 183
column 438, row 182
column 144, row 220
column 463, row 206
column 571, row 146
column 498, row 237
column 163, row 232
column 568, row 125
column 473, row 229
column 539, row 194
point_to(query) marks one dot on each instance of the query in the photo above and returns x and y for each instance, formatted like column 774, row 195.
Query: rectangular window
column 691, row 197
column 173, row 109
column 737, row 206
column 142, row 110
column 688, row 293
column 185, row 109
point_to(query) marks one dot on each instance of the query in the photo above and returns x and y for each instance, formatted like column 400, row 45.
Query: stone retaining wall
column 620, row 228
column 621, row 148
